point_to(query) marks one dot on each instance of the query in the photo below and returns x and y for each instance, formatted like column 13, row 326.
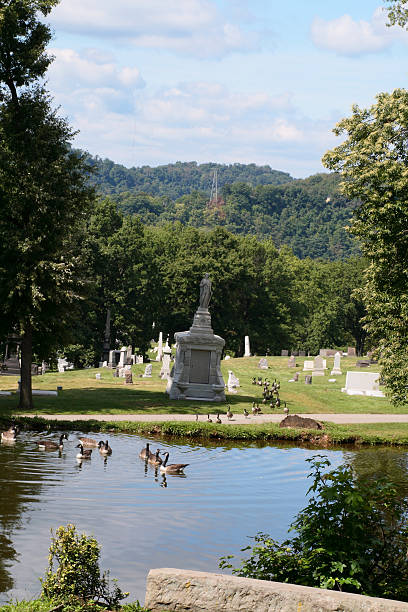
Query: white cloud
column 348, row 37
column 193, row 26
column 91, row 69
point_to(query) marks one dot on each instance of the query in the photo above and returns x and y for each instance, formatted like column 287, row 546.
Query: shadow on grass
column 119, row 401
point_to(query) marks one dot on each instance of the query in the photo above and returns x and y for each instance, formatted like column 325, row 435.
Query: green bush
column 352, row 536
column 73, row 575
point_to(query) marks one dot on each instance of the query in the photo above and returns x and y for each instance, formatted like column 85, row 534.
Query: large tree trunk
column 26, row 395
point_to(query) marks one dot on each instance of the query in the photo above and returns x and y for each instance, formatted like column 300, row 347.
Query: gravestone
column 292, row 362
column 263, row 364
column 247, row 347
column 363, row 383
column 336, row 367
column 196, row 373
column 227, row 357
column 128, row 377
column 363, row 363
column 165, row 369
column 128, row 360
column 139, row 359
column 98, row 376
column 308, row 379
column 148, row 371
column 284, row 353
column 44, row 367
column 233, row 382
column 351, row 351
column 318, row 366
column 296, row 376
column 159, row 355
column 295, row 353
column 302, row 353
column 116, row 372
column 104, row 364
column 114, row 357
column 122, row 372
column 122, row 360
column 308, row 365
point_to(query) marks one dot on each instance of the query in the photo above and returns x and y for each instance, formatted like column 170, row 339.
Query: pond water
column 143, row 519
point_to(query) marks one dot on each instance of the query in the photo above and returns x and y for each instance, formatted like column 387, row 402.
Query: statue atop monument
column 205, row 291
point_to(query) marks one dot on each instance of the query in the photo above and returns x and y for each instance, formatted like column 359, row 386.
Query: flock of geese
column 86, row 446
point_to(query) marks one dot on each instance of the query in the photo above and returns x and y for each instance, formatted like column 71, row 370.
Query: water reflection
column 143, row 518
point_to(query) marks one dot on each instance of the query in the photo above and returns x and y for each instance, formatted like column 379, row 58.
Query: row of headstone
column 285, row 353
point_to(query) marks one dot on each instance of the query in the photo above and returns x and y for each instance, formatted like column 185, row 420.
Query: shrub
column 352, row 536
column 77, row 577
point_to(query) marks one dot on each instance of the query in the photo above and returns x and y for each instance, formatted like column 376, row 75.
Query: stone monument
column 165, row 369
column 336, row 367
column 159, row 355
column 318, row 366
column 247, row 347
column 148, row 371
column 196, row 373
column 263, row 364
column 233, row 382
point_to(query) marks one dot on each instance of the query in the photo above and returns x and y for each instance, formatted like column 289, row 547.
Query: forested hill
column 308, row 215
column 176, row 180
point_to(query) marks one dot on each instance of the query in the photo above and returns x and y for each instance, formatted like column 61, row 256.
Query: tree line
column 308, row 215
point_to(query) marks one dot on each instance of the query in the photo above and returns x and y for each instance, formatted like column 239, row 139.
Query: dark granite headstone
column 308, row 379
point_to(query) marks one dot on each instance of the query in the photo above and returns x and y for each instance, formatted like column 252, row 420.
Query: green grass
column 392, row 434
column 83, row 394
column 45, row 605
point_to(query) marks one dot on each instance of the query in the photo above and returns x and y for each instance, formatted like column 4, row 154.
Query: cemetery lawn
column 83, row 394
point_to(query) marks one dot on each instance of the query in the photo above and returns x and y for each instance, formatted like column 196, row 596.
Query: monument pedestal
column 196, row 374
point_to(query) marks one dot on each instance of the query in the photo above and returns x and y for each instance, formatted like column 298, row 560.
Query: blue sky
column 149, row 82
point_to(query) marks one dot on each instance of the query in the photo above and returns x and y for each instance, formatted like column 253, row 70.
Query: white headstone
column 336, row 371
column 227, row 357
column 123, row 352
column 165, row 369
column 139, row 359
column 98, row 376
column 104, row 364
column 247, row 347
column 307, row 366
column 318, row 366
column 122, row 371
column 233, row 382
column 263, row 363
column 160, row 348
column 363, row 383
column 148, row 371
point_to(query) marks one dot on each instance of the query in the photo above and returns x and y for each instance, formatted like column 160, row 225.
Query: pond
column 143, row 519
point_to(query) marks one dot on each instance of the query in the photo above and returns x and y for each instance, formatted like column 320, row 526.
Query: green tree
column 397, row 12
column 352, row 536
column 373, row 162
column 42, row 188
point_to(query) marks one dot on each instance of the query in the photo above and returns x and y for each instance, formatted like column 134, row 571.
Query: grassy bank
column 83, row 394
column 393, row 434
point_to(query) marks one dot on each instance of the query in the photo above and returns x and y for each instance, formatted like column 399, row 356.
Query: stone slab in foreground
column 190, row 591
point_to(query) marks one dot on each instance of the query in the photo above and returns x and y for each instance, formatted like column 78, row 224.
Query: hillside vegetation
column 308, row 215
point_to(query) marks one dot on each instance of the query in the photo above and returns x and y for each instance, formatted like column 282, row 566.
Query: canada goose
column 246, row 413
column 104, row 448
column 208, row 419
column 286, row 409
column 88, row 442
column 196, row 418
column 254, row 409
column 229, row 413
column 218, row 420
column 51, row 445
column 278, row 402
column 9, row 435
column 83, row 454
column 155, row 459
column 145, row 453
column 173, row 468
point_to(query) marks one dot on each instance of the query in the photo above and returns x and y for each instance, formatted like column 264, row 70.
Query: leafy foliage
column 307, row 215
column 73, row 575
column 352, row 536
column 397, row 12
column 373, row 163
